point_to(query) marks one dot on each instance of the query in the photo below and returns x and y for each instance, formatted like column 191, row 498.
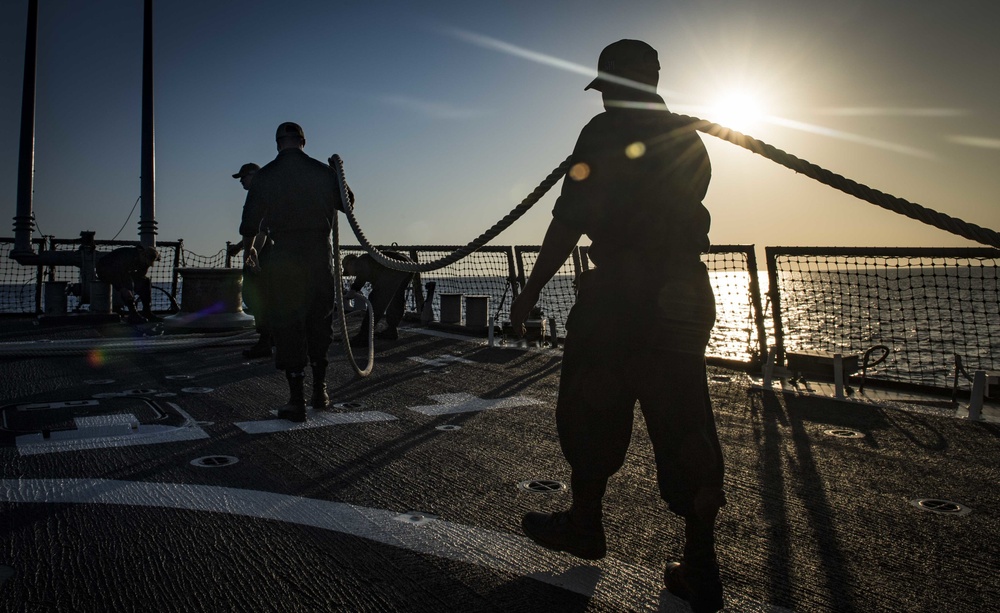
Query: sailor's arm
column 556, row 248
column 253, row 246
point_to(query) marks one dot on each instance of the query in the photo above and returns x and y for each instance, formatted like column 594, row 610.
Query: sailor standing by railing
column 635, row 185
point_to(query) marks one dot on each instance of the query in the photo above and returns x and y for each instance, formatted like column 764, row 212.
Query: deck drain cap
column 139, row 392
column 416, row 518
column 214, row 461
column 541, row 486
column 178, row 377
column 197, row 390
column 943, row 507
column 843, row 433
column 448, row 428
column 99, row 381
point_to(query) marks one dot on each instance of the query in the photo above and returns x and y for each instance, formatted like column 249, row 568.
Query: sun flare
column 740, row 111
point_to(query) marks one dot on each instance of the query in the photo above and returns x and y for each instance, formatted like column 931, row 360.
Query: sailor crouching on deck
column 294, row 197
column 125, row 269
column 635, row 187
column 387, row 297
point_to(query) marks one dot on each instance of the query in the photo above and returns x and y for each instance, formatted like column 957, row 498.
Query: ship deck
column 148, row 473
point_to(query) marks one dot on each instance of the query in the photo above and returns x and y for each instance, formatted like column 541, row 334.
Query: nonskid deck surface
column 151, row 475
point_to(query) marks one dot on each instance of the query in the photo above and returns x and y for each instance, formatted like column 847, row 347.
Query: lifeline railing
column 898, row 205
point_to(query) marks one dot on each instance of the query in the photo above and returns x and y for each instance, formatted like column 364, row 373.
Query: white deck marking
column 467, row 403
column 314, row 419
column 107, row 431
column 441, row 360
column 607, row 580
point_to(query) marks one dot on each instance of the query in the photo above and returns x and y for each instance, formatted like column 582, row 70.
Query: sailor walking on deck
column 292, row 201
column 635, row 187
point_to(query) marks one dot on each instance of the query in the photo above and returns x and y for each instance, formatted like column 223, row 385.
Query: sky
column 448, row 113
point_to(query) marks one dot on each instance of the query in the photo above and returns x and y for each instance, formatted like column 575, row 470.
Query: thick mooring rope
column 461, row 252
column 824, row 176
column 931, row 217
column 912, row 210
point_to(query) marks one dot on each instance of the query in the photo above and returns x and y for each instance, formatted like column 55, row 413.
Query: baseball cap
column 246, row 169
column 289, row 128
column 632, row 60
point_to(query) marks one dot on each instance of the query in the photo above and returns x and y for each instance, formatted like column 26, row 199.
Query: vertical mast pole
column 24, row 222
column 147, row 215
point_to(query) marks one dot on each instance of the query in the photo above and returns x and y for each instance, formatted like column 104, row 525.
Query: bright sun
column 738, row 111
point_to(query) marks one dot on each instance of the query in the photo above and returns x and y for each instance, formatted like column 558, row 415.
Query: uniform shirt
column 292, row 197
column 635, row 187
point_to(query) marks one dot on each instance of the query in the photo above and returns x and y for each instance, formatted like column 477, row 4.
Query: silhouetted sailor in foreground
column 293, row 200
column 125, row 269
column 254, row 289
column 635, row 187
column 388, row 294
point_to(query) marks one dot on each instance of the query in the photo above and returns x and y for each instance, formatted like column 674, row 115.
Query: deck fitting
column 942, row 507
column 843, row 433
column 214, row 461
column 541, row 486
column 417, row 518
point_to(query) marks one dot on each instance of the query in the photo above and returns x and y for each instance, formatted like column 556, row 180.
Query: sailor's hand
column 251, row 261
column 519, row 310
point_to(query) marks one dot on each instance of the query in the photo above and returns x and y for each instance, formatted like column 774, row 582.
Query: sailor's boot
column 579, row 531
column 320, row 399
column 696, row 578
column 295, row 410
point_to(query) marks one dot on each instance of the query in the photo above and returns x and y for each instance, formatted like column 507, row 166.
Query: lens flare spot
column 96, row 358
column 635, row 151
column 579, row 171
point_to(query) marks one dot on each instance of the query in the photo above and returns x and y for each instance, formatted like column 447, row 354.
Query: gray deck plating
column 370, row 506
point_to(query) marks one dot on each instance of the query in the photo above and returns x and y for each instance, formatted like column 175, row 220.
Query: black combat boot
column 696, row 579
column 579, row 531
column 295, row 410
column 320, row 399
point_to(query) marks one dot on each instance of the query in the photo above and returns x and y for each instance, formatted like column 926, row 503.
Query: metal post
column 24, row 221
column 758, row 312
column 978, row 391
column 838, row 375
